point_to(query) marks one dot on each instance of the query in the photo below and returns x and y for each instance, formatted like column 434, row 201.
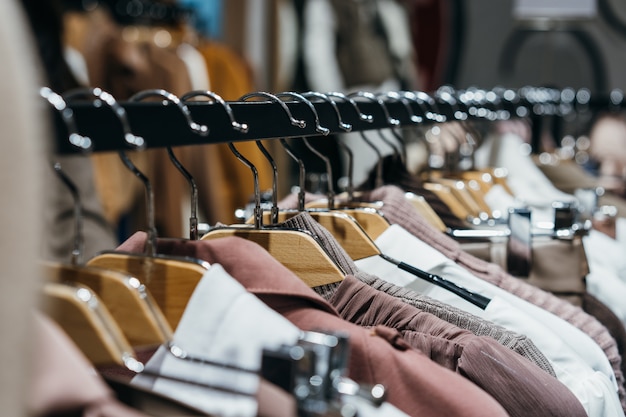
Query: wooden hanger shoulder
column 344, row 228
column 370, row 219
column 82, row 315
column 170, row 281
column 426, row 211
column 445, row 194
column 296, row 250
column 126, row 297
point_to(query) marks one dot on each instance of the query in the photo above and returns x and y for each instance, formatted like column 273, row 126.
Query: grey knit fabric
column 399, row 211
column 480, row 327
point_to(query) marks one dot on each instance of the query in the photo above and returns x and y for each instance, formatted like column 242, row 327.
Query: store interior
column 313, row 208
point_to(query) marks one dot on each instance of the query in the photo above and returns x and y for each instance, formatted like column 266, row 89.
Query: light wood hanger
column 343, row 227
column 83, row 316
column 346, row 230
column 296, row 249
column 170, row 280
column 141, row 320
column 366, row 215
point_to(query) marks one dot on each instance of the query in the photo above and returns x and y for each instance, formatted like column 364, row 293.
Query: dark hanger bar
column 162, row 124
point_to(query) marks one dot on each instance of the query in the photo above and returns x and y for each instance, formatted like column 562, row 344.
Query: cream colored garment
column 24, row 142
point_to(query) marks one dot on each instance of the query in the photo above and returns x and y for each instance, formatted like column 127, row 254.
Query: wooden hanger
column 170, row 280
column 445, row 194
column 296, row 249
column 427, row 212
column 142, row 322
column 344, row 228
column 84, row 317
column 140, row 319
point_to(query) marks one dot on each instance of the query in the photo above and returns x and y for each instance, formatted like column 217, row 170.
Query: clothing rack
column 162, row 124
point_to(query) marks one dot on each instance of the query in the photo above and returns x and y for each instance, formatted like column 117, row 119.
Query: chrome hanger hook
column 258, row 213
column 347, row 127
column 344, row 126
column 324, row 131
column 404, row 98
column 84, row 144
column 137, row 142
column 295, row 122
column 318, row 127
column 142, row 95
column 446, row 94
column 300, row 123
column 239, row 127
column 200, row 129
column 432, row 112
column 362, row 116
column 365, row 94
column 396, row 97
column 301, row 173
column 390, row 120
column 410, row 95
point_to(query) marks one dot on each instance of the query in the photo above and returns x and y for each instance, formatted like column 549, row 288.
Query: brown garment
column 452, row 315
column 64, row 384
column 396, row 210
column 513, row 381
column 362, row 51
column 124, row 67
column 414, row 383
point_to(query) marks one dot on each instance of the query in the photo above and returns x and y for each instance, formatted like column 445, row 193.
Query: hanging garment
column 24, row 162
column 594, row 307
column 224, row 334
column 607, row 271
column 415, row 384
column 578, row 363
column 506, row 315
column 64, row 382
column 493, row 368
column 457, row 317
column 397, row 211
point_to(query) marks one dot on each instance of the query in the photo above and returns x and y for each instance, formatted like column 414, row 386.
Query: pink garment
column 64, row 383
column 515, row 382
column 399, row 211
column 415, row 384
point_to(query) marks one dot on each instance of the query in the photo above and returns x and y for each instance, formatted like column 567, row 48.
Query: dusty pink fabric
column 515, row 382
column 415, row 384
column 64, row 383
column 399, row 211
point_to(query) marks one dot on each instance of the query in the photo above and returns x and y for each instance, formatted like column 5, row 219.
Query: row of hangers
column 116, row 302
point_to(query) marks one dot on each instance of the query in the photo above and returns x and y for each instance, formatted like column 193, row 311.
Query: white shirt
column 529, row 185
column 225, row 323
column 564, row 345
column 607, row 271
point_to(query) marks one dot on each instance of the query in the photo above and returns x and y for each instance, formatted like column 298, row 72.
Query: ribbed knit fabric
column 399, row 211
column 478, row 326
